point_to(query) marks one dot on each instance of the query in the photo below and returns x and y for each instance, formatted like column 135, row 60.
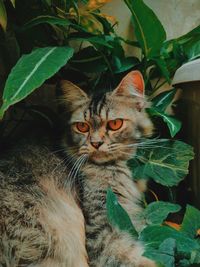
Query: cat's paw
column 144, row 262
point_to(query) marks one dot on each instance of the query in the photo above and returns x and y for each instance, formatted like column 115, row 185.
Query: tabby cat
column 53, row 215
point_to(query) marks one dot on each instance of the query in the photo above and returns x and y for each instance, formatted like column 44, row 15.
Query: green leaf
column 52, row 20
column 31, row 71
column 95, row 40
column 191, row 222
column 154, row 235
column 163, row 68
column 89, row 60
column 165, row 254
column 173, row 124
column 192, row 48
column 195, row 257
column 144, row 21
column 117, row 216
column 194, row 31
column 125, row 64
column 157, row 212
column 49, row 2
column 164, row 99
column 3, row 16
column 184, row 263
column 166, row 162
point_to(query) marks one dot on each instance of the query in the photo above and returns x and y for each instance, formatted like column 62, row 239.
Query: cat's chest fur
column 97, row 180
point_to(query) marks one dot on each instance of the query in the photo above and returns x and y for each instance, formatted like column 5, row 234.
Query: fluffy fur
column 41, row 224
column 106, row 165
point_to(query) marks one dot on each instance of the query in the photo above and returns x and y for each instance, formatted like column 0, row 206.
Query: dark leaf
column 52, row 20
column 173, row 124
column 125, row 64
column 163, row 68
column 164, row 99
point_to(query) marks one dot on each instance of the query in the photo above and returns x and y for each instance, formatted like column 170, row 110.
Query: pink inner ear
column 135, row 77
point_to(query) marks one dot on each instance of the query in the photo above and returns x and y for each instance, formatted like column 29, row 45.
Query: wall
column 177, row 16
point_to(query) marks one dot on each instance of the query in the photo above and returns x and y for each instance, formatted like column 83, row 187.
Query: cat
column 45, row 219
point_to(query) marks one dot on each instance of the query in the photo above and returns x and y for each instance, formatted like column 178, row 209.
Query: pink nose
column 96, row 144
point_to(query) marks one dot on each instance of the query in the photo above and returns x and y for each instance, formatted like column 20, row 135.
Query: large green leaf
column 157, row 212
column 166, row 162
column 154, row 235
column 191, row 222
column 164, row 255
column 3, row 15
column 31, row 71
column 52, row 20
column 173, row 124
column 117, row 216
column 148, row 29
column 164, row 99
column 182, row 49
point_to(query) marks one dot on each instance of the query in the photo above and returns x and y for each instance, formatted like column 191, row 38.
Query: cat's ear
column 72, row 95
column 132, row 85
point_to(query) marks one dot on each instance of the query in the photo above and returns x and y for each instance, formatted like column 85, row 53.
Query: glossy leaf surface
column 31, row 71
column 144, row 21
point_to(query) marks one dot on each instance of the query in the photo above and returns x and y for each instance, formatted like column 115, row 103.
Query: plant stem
column 171, row 195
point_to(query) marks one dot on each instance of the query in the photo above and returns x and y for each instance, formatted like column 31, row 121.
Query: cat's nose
column 96, row 144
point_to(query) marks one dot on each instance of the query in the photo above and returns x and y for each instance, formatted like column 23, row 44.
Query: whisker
column 75, row 169
column 80, row 165
column 65, row 162
column 70, row 175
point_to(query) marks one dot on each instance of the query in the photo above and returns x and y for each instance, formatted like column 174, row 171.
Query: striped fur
column 41, row 224
column 43, row 221
column 106, row 167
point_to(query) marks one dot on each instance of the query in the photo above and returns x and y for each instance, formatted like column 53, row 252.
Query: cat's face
column 106, row 127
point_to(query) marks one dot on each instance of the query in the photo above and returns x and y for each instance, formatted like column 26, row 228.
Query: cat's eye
column 115, row 125
column 83, row 127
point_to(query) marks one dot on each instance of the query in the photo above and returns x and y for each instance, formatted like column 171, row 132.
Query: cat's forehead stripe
column 96, row 104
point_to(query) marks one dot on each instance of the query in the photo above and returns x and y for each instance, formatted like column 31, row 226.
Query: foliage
column 157, row 212
column 25, row 78
column 51, row 39
column 164, row 161
column 117, row 215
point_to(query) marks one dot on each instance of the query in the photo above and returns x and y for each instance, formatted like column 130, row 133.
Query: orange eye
column 115, row 125
column 82, row 127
